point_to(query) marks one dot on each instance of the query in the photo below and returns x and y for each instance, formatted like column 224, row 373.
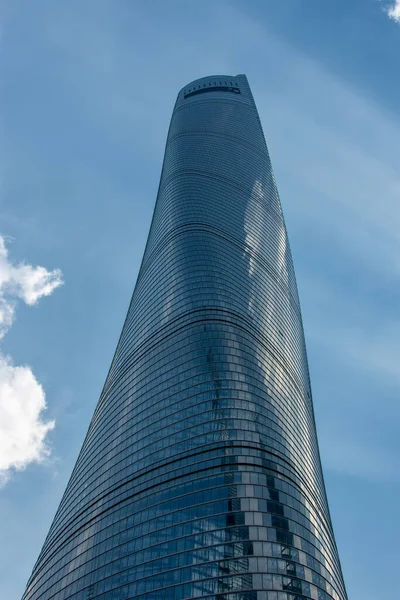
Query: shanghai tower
column 200, row 474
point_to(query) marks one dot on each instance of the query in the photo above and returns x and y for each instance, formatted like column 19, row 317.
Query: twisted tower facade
column 200, row 474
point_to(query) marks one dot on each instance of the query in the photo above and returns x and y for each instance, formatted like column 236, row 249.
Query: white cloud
column 22, row 282
column 22, row 398
column 394, row 11
column 22, row 431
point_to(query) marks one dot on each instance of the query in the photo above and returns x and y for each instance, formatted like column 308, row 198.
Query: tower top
column 216, row 84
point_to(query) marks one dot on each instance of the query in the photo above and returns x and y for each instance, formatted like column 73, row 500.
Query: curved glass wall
column 200, row 474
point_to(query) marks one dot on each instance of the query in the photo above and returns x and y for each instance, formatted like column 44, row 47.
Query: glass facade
column 200, row 474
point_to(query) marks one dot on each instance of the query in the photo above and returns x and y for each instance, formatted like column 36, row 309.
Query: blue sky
column 87, row 90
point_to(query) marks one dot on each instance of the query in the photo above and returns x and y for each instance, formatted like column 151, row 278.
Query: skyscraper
column 200, row 474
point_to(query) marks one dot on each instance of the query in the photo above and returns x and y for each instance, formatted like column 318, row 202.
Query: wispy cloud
column 22, row 398
column 394, row 11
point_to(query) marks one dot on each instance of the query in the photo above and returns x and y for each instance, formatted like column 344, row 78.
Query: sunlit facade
column 200, row 474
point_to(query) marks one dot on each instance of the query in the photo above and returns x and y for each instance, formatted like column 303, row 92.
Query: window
column 215, row 88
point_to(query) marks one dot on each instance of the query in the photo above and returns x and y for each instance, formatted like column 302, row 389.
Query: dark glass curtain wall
column 200, row 474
